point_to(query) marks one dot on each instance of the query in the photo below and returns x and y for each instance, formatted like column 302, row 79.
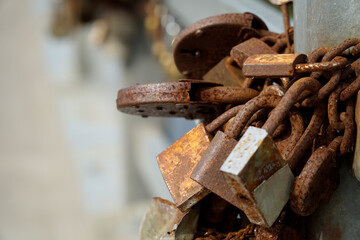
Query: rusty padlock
column 249, row 47
column 207, row 172
column 202, row 45
column 186, row 98
column 161, row 218
column 317, row 181
column 255, row 163
column 258, row 176
column 286, row 65
column 226, row 73
column 178, row 161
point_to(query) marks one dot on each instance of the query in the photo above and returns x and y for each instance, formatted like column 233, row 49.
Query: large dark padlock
column 249, row 47
column 187, row 98
column 202, row 45
column 178, row 161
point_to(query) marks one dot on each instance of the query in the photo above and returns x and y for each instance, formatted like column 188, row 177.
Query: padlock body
column 160, row 218
column 225, row 73
column 272, row 65
column 207, row 172
column 248, row 48
column 177, row 162
column 258, row 176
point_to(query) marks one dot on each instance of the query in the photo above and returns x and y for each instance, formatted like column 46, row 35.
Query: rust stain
column 177, row 162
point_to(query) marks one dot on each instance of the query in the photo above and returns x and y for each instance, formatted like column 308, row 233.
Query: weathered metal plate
column 163, row 100
column 159, row 219
column 177, row 163
column 250, row 47
column 254, row 160
column 225, row 73
column 188, row 224
column 272, row 194
column 202, row 45
column 207, row 172
column 272, row 65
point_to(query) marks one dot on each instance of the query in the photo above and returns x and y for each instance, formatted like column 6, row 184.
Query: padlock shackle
column 224, row 94
column 251, row 107
column 223, row 118
column 278, row 114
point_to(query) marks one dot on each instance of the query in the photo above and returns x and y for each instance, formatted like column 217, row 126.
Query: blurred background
column 72, row 166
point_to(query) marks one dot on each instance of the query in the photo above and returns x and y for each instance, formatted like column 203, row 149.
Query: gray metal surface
column 320, row 23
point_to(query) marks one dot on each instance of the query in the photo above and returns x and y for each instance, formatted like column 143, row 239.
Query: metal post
column 320, row 23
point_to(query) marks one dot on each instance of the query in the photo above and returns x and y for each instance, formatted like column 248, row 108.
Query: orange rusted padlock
column 177, row 162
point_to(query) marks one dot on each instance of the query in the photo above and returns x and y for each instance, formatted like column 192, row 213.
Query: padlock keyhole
column 243, row 198
column 192, row 52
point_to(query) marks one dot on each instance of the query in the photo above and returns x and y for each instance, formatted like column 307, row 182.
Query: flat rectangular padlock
column 287, row 65
column 225, row 73
column 258, row 176
column 248, row 48
column 178, row 161
column 272, row 65
column 207, row 172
